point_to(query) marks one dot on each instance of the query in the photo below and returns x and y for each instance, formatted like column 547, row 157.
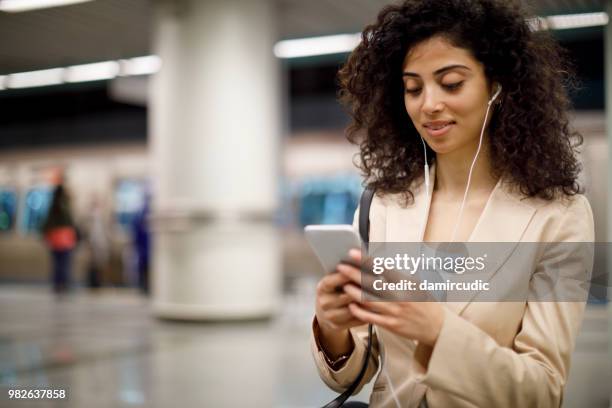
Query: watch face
column 338, row 362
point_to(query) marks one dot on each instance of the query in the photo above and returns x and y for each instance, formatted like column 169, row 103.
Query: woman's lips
column 436, row 129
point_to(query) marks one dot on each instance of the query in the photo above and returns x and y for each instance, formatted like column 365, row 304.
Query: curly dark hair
column 531, row 142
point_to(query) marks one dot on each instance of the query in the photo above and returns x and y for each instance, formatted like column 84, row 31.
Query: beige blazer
column 505, row 354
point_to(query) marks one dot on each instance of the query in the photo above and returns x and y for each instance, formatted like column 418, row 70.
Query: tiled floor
column 107, row 350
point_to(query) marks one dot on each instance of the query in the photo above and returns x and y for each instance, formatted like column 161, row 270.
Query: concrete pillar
column 608, row 104
column 214, row 138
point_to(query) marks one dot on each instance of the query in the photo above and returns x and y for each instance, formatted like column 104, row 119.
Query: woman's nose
column 432, row 102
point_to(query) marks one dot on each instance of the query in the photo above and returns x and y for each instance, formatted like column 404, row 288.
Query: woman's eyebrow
column 438, row 71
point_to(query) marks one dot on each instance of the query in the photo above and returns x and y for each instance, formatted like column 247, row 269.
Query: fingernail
column 354, row 253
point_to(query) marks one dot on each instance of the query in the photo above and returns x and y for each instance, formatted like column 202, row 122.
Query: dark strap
column 364, row 232
column 364, row 215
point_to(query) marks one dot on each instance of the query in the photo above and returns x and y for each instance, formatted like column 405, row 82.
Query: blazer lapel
column 504, row 220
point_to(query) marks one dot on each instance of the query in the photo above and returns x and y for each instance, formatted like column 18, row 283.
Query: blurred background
column 193, row 140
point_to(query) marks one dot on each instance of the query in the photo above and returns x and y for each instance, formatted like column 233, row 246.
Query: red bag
column 61, row 238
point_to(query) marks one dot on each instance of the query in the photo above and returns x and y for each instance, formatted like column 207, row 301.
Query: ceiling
column 111, row 29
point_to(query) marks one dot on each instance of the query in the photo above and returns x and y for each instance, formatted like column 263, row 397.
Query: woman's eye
column 413, row 91
column 453, row 86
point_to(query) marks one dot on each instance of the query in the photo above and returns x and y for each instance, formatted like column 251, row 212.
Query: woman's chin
column 441, row 147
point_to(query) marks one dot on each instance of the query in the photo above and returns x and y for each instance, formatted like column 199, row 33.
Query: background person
column 59, row 232
column 98, row 242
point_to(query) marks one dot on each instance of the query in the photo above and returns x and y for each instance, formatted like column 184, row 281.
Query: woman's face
column 446, row 95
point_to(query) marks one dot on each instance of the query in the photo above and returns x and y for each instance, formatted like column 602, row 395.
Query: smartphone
column 331, row 243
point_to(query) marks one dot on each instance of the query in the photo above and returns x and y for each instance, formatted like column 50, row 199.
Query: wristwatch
column 337, row 363
column 334, row 364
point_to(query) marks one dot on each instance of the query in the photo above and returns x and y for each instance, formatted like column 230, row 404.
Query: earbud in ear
column 496, row 94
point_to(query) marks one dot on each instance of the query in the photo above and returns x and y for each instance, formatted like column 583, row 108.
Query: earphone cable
column 469, row 180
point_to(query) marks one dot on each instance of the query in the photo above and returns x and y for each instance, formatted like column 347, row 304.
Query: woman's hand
column 421, row 321
column 333, row 315
column 332, row 303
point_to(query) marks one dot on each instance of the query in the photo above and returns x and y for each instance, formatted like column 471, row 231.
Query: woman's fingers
column 334, row 301
column 368, row 316
column 350, row 272
column 374, row 304
column 331, row 282
column 364, row 280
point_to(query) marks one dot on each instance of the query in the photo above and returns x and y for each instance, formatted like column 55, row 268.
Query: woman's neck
column 452, row 172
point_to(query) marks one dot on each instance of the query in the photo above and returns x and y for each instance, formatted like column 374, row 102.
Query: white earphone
column 496, row 94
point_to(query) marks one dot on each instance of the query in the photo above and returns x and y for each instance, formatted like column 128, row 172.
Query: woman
column 60, row 234
column 483, row 92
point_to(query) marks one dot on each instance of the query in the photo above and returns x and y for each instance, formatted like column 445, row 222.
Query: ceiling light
column 306, row 47
column 32, row 79
column 333, row 44
column 97, row 71
column 562, row 22
column 147, row 65
column 92, row 72
column 15, row 6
